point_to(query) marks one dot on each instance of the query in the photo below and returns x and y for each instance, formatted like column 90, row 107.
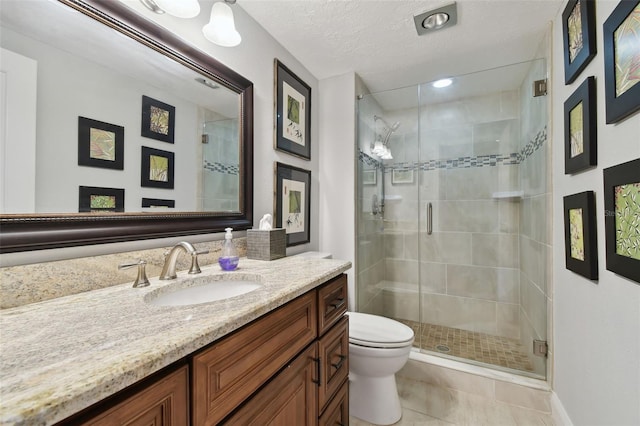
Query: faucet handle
column 141, row 279
column 195, row 268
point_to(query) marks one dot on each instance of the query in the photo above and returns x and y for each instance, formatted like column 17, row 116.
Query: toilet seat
column 374, row 331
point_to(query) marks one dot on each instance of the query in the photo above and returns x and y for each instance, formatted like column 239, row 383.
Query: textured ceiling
column 377, row 39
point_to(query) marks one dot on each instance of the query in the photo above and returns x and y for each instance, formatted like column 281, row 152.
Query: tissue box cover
column 266, row 245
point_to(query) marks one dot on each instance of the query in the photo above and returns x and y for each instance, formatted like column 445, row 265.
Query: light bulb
column 221, row 28
column 442, row 83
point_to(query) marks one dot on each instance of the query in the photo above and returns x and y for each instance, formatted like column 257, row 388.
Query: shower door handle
column 429, row 218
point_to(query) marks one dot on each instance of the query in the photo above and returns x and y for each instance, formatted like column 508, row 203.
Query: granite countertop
column 60, row 356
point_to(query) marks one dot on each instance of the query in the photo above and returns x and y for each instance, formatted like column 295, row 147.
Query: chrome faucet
column 169, row 268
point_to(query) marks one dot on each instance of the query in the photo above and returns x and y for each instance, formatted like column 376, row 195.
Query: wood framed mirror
column 46, row 227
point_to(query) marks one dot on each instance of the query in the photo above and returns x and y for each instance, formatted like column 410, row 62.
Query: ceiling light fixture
column 221, row 28
column 436, row 19
column 444, row 82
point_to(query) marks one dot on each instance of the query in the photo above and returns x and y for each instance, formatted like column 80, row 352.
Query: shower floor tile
column 481, row 347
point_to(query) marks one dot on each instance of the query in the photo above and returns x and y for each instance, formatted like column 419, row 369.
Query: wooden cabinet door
column 289, row 399
column 227, row 373
column 337, row 412
column 333, row 350
column 164, row 403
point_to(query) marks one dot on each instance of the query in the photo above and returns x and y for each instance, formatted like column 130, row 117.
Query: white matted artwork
column 369, row 177
column 401, row 176
column 293, row 123
column 293, row 112
column 293, row 202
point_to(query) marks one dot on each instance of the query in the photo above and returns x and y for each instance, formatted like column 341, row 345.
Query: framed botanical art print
column 293, row 113
column 96, row 199
column 100, row 144
column 369, row 177
column 293, row 202
column 580, row 135
column 157, row 168
column 621, row 37
column 578, row 37
column 158, row 120
column 399, row 176
column 622, row 218
column 157, row 202
column 581, row 250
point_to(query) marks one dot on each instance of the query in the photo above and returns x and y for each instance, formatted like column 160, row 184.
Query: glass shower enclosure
column 453, row 223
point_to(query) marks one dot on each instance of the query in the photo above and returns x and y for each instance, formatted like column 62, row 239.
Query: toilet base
column 374, row 399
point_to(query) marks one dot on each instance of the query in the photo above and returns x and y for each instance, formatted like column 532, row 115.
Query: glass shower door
column 481, row 145
column 388, row 264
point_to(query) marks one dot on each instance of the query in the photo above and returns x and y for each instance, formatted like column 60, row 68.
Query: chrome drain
column 443, row 348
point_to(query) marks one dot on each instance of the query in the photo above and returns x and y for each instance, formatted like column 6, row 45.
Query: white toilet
column 378, row 348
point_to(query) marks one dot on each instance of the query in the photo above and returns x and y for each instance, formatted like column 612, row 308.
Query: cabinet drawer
column 230, row 370
column 333, row 350
column 288, row 400
column 337, row 412
column 332, row 303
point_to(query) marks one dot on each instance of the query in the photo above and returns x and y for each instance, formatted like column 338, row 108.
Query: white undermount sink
column 203, row 290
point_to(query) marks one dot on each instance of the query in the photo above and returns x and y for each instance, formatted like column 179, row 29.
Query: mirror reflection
column 118, row 126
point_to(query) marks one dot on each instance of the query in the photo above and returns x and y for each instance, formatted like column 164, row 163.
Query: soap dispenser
column 228, row 260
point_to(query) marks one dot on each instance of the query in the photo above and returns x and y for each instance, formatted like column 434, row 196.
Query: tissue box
column 266, row 245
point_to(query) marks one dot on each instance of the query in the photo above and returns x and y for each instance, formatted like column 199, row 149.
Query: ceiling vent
column 436, row 19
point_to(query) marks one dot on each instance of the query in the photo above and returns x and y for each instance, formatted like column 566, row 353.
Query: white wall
column 336, row 176
column 596, row 324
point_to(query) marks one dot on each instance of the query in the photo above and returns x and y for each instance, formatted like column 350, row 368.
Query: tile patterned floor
column 425, row 404
column 481, row 347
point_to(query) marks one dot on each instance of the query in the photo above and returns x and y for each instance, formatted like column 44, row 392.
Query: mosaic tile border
column 491, row 160
column 229, row 169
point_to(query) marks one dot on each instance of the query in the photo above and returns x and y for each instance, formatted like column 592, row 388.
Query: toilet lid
column 378, row 332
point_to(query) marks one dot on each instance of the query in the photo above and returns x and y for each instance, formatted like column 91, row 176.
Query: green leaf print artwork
column 574, row 24
column 627, row 206
column 159, row 120
column 158, row 168
column 103, row 202
column 577, row 236
column 102, row 144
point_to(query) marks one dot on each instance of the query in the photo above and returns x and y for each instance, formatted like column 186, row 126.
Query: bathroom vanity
column 278, row 352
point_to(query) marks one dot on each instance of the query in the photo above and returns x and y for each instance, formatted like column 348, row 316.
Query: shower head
column 380, row 147
column 390, row 131
column 390, row 127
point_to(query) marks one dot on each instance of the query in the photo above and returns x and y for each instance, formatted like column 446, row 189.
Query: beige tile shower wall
column 371, row 263
column 21, row 285
column 467, row 270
